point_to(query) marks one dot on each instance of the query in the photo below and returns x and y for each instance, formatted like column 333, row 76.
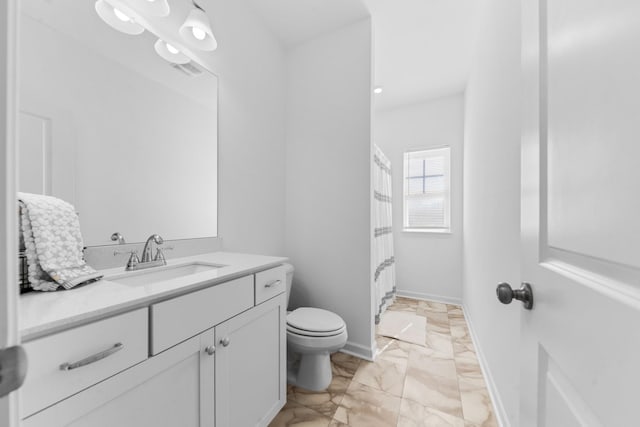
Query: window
column 426, row 195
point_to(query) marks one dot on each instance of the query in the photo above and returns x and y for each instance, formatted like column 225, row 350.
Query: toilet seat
column 297, row 331
column 316, row 322
column 305, row 344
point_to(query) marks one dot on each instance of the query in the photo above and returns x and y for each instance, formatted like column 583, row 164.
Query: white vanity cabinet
column 216, row 358
column 171, row 389
column 65, row 363
column 251, row 365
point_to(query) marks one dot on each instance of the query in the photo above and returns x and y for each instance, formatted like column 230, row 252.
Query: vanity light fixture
column 117, row 18
column 154, row 7
column 196, row 30
column 170, row 53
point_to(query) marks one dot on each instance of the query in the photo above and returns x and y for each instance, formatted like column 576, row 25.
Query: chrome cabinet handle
column 210, row 350
column 98, row 356
column 272, row 283
column 225, row 341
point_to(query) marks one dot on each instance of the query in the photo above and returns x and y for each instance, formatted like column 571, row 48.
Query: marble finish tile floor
column 408, row 385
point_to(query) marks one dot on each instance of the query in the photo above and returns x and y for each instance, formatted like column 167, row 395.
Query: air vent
column 190, row 69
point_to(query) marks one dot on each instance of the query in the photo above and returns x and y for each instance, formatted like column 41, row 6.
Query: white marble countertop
column 44, row 313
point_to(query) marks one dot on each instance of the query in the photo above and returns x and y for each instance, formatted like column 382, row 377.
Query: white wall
column 428, row 265
column 492, row 199
column 250, row 66
column 328, row 167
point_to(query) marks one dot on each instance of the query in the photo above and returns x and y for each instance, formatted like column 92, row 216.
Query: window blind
column 426, row 189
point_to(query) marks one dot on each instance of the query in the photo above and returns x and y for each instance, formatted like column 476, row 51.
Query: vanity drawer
column 65, row 363
column 178, row 319
column 270, row 283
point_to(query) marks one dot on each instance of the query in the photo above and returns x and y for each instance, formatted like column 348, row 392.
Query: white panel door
column 47, row 149
column 581, row 212
column 35, row 154
column 8, row 206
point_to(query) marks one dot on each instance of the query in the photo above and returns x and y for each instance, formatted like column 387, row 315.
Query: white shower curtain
column 384, row 273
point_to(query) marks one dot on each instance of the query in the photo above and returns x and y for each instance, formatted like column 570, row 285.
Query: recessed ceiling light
column 377, row 90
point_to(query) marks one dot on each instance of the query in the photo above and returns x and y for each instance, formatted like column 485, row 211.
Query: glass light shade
column 197, row 25
column 165, row 51
column 108, row 14
column 153, row 7
column 172, row 49
column 198, row 33
column 121, row 15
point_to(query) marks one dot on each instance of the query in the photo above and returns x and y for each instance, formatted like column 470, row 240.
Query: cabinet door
column 174, row 388
column 251, row 366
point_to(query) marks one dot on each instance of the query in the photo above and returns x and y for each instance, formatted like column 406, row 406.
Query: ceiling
column 423, row 48
column 296, row 21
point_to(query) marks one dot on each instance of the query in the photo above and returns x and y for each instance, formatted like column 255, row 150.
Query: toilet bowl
column 312, row 335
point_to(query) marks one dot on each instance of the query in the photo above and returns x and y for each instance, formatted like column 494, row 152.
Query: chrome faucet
column 148, row 260
column 146, row 252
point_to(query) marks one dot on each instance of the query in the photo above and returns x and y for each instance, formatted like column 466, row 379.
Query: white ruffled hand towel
column 53, row 242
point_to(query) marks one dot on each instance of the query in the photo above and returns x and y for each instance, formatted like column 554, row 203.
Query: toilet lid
column 314, row 320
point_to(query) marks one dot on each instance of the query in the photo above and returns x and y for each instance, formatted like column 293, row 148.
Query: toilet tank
column 289, row 270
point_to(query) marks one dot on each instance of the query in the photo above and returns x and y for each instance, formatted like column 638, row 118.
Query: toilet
column 312, row 335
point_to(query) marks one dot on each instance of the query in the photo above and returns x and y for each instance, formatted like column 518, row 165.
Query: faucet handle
column 133, row 258
column 133, row 261
column 160, row 254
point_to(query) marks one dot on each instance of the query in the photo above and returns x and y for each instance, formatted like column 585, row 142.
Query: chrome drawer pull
column 272, row 283
column 98, row 356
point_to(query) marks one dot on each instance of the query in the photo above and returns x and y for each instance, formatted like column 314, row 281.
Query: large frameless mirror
column 110, row 125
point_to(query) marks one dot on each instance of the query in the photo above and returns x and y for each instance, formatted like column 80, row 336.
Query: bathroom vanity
column 207, row 348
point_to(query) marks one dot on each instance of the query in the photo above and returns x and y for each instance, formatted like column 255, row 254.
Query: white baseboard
column 359, row 351
column 429, row 297
column 498, row 406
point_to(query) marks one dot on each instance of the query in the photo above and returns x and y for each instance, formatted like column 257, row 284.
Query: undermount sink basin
column 160, row 274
